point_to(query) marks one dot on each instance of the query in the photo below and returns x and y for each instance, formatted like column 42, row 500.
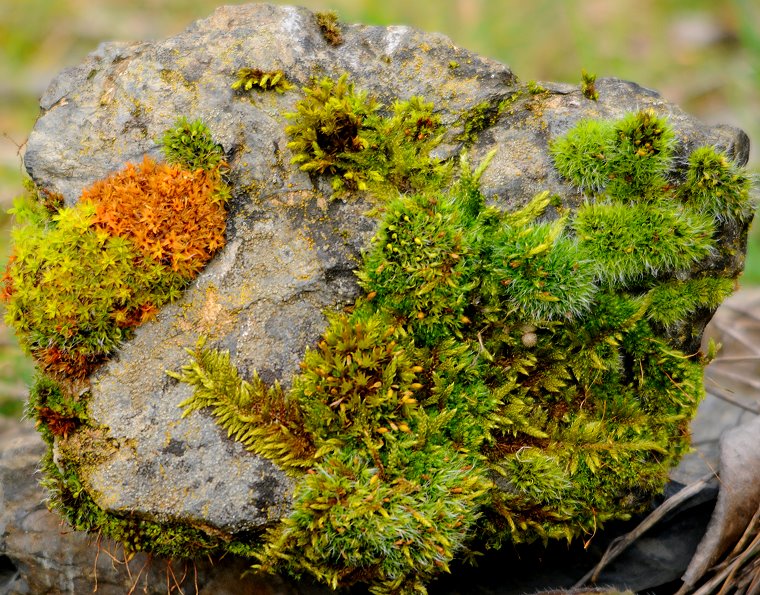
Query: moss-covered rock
column 453, row 310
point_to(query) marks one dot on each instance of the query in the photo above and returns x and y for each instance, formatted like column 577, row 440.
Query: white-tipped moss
column 717, row 187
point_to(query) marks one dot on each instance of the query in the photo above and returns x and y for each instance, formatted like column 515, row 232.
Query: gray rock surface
column 290, row 252
column 39, row 554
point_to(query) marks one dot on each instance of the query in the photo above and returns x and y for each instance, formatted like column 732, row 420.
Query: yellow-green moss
column 529, row 357
column 503, row 378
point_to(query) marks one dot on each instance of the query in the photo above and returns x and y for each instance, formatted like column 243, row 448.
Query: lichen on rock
column 452, row 310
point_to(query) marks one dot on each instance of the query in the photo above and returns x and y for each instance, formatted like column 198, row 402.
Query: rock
column 40, row 554
column 291, row 252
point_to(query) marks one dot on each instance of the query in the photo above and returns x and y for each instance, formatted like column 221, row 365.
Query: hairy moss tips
column 639, row 156
column 328, row 24
column 580, row 155
column 540, row 272
column 673, row 302
column 190, row 145
column 419, row 268
column 717, row 187
column 255, row 78
column 628, row 158
column 631, row 244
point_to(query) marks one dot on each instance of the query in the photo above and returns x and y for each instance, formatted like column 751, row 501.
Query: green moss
column 524, row 354
column 478, row 118
column 350, row 526
column 62, row 316
column 639, row 156
column 81, row 278
column 630, row 159
column 190, row 145
column 258, row 416
column 255, row 78
column 339, row 132
column 588, row 86
column 717, row 187
column 535, row 88
column 505, row 377
column 630, row 245
column 674, row 301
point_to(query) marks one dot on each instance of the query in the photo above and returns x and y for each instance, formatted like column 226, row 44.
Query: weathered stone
column 291, row 253
column 40, row 554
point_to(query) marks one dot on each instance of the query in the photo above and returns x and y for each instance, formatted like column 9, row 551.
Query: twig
column 730, row 570
column 619, row 545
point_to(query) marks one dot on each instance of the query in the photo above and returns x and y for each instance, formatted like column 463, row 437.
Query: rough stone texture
column 39, row 554
column 290, row 251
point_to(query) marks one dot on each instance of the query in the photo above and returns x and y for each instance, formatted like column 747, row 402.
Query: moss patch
column 505, row 376
column 502, row 377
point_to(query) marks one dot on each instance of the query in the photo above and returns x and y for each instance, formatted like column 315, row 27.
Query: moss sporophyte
column 505, row 376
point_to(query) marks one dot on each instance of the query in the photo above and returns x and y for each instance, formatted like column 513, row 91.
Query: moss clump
column 255, row 78
column 173, row 216
column 629, row 245
column 717, row 187
column 629, row 159
column 339, row 132
column 328, row 24
column 506, row 376
column 588, row 86
column 503, row 376
column 80, row 278
column 190, row 146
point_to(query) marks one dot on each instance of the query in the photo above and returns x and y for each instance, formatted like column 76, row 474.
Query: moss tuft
column 172, row 216
column 328, row 24
column 255, row 78
column 629, row 158
column 190, row 146
column 339, row 132
column 588, row 86
column 717, row 187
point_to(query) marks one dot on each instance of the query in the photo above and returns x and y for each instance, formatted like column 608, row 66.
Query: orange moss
column 173, row 216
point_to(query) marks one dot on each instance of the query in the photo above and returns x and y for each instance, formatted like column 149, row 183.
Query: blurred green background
column 703, row 55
